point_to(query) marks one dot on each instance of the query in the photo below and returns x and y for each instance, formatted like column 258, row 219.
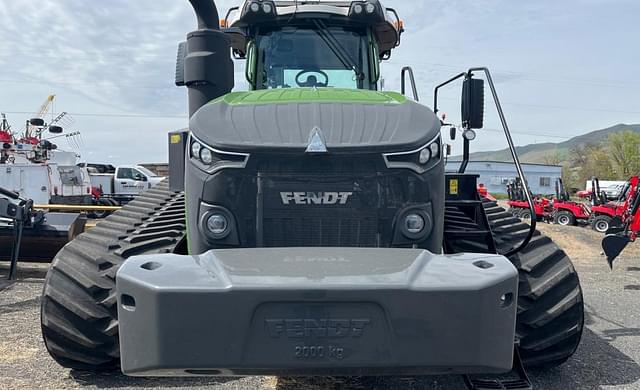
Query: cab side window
column 125, row 173
column 137, row 175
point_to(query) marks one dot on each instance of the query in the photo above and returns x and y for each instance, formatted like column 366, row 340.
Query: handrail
column 403, row 74
column 512, row 148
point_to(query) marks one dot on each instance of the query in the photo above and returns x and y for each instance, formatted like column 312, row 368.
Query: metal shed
column 496, row 174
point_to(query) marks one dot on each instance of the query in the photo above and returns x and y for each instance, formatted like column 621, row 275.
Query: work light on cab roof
column 386, row 23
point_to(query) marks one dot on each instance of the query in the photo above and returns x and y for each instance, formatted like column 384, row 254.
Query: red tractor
column 519, row 207
column 618, row 237
column 605, row 214
column 484, row 193
column 567, row 212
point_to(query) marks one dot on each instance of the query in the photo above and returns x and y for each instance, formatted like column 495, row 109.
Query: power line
column 532, row 134
column 527, row 76
column 569, row 108
column 110, row 115
column 83, row 84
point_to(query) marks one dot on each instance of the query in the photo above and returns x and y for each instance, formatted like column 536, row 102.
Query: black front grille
column 376, row 195
column 321, row 228
column 358, row 222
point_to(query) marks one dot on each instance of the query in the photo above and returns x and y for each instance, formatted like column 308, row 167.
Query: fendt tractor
column 308, row 226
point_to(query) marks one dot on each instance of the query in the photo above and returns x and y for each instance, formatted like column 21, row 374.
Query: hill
column 541, row 153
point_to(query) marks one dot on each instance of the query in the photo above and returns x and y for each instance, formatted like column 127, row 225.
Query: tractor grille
column 319, row 228
column 299, row 221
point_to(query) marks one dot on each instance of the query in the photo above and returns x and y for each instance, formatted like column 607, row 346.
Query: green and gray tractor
column 309, row 227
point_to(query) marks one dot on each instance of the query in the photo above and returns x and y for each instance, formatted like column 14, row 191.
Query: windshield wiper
column 339, row 50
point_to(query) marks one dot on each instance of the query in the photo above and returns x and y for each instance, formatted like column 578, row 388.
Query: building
column 496, row 174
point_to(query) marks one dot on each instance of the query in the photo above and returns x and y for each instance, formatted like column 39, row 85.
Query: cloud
column 118, row 56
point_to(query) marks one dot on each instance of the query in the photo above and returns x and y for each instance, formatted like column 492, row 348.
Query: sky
column 562, row 68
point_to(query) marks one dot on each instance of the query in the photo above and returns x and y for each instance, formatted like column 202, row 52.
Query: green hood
column 312, row 95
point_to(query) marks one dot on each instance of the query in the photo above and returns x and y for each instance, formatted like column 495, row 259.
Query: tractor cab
column 313, row 45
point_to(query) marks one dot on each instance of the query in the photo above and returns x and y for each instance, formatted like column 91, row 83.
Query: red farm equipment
column 618, row 237
column 604, row 213
column 567, row 212
column 484, row 193
column 519, row 206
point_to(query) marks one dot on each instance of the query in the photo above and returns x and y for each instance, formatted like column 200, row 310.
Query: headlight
column 414, row 223
column 255, row 7
column 469, row 135
column 358, row 8
column 206, row 156
column 211, row 160
column 435, row 149
column 266, row 7
column 195, row 149
column 218, row 225
column 419, row 160
column 425, row 155
column 370, row 8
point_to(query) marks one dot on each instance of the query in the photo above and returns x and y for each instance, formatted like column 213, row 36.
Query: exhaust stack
column 204, row 63
column 206, row 13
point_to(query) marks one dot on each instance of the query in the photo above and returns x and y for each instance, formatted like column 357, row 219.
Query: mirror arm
column 465, row 156
column 437, row 89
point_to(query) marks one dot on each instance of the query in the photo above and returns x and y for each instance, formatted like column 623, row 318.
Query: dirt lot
column 608, row 357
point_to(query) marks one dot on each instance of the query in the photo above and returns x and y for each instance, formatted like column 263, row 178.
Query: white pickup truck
column 123, row 184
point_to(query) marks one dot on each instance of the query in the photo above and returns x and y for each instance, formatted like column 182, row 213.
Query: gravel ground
column 608, row 357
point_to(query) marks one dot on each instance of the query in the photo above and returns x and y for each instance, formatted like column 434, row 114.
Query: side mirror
column 37, row 122
column 473, row 103
column 238, row 40
column 139, row 177
column 182, row 53
column 55, row 129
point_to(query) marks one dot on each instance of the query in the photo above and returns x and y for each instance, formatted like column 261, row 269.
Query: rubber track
column 78, row 310
column 550, row 304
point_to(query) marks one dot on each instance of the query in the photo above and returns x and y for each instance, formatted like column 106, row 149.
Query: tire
column 525, row 214
column 565, row 218
column 78, row 309
column 601, row 223
column 550, row 316
column 102, row 214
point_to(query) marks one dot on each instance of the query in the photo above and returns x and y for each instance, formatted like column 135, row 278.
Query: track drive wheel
column 78, row 309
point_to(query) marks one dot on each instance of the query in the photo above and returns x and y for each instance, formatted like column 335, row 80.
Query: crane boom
column 44, row 109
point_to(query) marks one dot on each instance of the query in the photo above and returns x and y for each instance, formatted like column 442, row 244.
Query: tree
column 552, row 158
column 624, row 151
column 587, row 161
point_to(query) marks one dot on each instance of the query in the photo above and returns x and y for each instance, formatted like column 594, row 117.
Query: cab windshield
column 312, row 56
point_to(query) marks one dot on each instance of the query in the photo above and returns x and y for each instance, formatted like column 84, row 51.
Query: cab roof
column 386, row 24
